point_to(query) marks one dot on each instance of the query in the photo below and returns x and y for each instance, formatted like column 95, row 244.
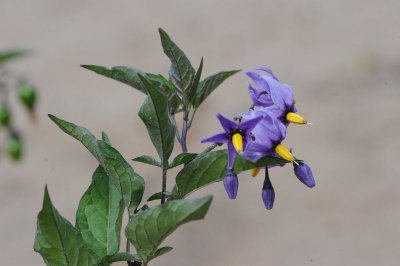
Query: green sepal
column 99, row 215
column 129, row 183
column 181, row 72
column 147, row 159
column 208, row 85
column 211, row 167
column 149, row 228
column 58, row 241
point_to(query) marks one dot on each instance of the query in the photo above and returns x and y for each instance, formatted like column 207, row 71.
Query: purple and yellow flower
column 237, row 135
column 277, row 96
column 267, row 137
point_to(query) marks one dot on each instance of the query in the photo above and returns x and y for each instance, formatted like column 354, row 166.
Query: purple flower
column 231, row 184
column 304, row 174
column 236, row 135
column 277, row 96
column 268, row 192
column 268, row 134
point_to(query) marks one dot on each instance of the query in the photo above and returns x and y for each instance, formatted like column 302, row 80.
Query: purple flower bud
column 231, row 184
column 268, row 197
column 304, row 174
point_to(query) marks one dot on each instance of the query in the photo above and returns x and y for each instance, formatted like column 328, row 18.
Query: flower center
column 237, row 141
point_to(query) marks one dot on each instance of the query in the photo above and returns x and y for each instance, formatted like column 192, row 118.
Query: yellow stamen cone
column 284, row 153
column 237, row 141
column 295, row 118
column 255, row 171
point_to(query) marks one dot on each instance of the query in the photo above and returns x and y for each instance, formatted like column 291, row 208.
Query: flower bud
column 231, row 184
column 268, row 197
column 304, row 174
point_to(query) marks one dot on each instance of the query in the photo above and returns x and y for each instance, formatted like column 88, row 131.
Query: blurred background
column 341, row 57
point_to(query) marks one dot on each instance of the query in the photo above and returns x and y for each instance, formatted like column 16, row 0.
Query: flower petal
column 217, row 138
column 227, row 124
column 231, row 155
column 268, row 70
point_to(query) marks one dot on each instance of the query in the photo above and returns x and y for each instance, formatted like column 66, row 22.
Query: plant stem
column 164, row 184
column 184, row 131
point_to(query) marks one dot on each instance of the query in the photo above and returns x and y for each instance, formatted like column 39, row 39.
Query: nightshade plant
column 11, row 80
column 116, row 187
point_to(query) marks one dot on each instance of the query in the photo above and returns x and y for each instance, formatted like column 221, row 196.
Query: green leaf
column 99, row 215
column 105, row 138
column 182, row 158
column 157, row 196
column 154, row 113
column 181, row 72
column 162, row 251
column 211, row 167
column 10, row 55
column 58, row 241
column 125, row 256
column 147, row 159
column 149, row 228
column 192, row 91
column 127, row 75
column 208, row 85
column 127, row 181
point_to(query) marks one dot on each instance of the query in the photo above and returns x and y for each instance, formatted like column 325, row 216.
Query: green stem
column 164, row 185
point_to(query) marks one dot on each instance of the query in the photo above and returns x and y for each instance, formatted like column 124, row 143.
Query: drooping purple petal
column 259, row 81
column 269, row 71
column 231, row 184
column 304, row 174
column 259, row 98
column 227, row 124
column 231, row 155
column 217, row 138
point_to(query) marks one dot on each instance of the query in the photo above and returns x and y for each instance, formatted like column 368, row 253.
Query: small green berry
column 27, row 94
column 14, row 148
column 5, row 115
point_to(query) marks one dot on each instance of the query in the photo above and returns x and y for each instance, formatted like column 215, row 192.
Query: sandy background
column 341, row 57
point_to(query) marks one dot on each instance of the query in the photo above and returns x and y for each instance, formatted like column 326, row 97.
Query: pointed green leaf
column 211, row 167
column 154, row 113
column 105, row 138
column 192, row 91
column 149, row 228
column 125, row 256
column 99, row 215
column 181, row 72
column 124, row 74
column 147, row 159
column 10, row 55
column 127, row 181
column 207, row 86
column 162, row 251
column 157, row 196
column 58, row 241
column 182, row 158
